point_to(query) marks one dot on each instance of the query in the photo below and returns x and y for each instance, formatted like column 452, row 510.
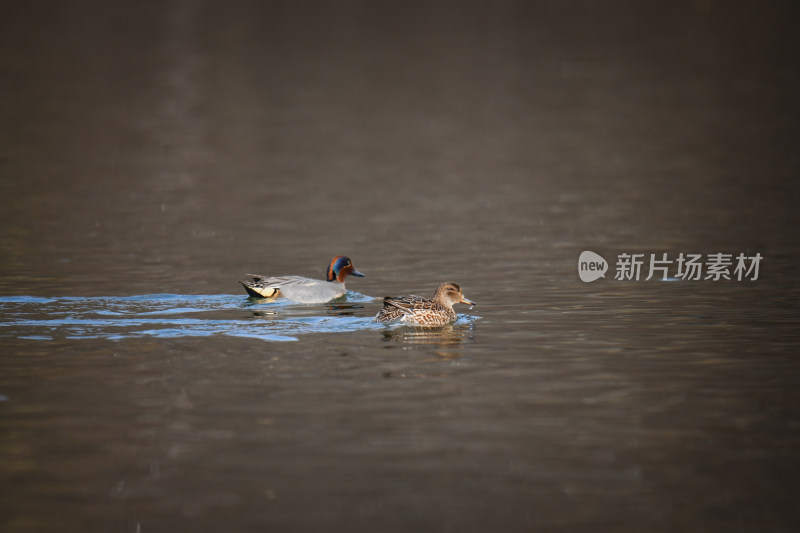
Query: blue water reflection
column 177, row 315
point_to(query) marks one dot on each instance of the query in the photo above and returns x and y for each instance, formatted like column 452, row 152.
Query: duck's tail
column 258, row 289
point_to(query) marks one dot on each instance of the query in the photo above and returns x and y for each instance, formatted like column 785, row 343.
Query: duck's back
column 307, row 290
column 414, row 310
column 296, row 288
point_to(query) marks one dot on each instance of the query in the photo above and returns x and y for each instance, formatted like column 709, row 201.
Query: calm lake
column 153, row 153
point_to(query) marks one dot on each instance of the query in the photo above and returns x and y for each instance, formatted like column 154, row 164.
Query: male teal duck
column 304, row 290
column 419, row 311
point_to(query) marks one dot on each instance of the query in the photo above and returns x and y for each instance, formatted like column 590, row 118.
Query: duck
column 304, row 290
column 419, row 311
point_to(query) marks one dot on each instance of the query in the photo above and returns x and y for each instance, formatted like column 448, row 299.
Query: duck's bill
column 468, row 302
column 357, row 274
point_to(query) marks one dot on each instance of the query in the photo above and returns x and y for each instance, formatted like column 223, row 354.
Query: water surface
column 174, row 315
column 153, row 153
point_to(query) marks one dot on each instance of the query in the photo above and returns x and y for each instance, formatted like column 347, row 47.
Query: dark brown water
column 151, row 153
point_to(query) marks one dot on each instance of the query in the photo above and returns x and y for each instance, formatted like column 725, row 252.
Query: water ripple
column 177, row 315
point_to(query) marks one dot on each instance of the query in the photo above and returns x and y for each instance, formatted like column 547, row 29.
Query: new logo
column 591, row 266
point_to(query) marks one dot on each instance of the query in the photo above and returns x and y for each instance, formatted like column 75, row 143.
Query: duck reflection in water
column 343, row 309
column 449, row 336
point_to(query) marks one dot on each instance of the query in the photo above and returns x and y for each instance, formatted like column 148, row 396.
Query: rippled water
column 153, row 153
column 174, row 315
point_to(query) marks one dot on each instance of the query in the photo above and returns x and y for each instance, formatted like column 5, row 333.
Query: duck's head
column 451, row 292
column 340, row 268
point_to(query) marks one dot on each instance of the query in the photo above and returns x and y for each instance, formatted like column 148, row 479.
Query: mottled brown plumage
column 419, row 311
